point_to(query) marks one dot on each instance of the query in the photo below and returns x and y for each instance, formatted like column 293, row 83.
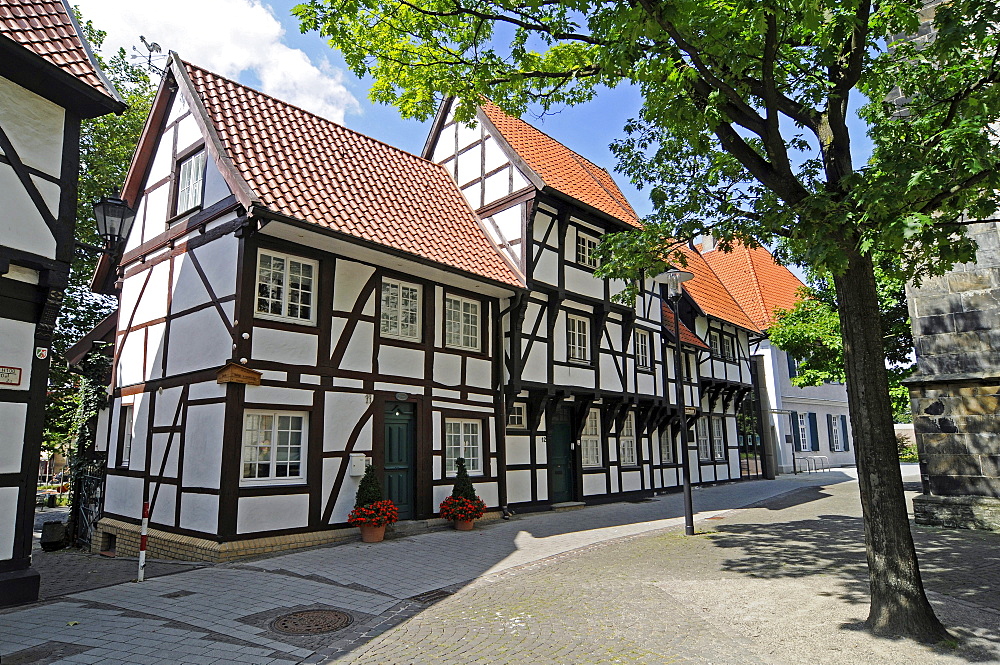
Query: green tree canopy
column 744, row 131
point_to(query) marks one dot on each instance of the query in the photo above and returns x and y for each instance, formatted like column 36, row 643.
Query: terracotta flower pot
column 372, row 534
column 464, row 525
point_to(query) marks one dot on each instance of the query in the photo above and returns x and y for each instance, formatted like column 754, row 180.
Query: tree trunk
column 898, row 603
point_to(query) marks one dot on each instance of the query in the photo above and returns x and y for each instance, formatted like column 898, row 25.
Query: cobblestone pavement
column 606, row 584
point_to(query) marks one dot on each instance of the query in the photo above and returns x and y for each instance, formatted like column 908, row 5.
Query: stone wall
column 955, row 393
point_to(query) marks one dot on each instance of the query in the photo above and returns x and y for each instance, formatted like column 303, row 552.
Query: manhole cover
column 311, row 622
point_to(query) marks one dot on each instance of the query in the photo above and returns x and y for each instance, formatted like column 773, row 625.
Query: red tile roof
column 687, row 337
column 711, row 295
column 756, row 281
column 304, row 166
column 560, row 168
column 45, row 27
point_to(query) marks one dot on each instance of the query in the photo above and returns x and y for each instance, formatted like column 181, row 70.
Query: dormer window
column 190, row 182
column 585, row 248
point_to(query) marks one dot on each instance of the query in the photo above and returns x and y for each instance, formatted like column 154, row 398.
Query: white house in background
column 805, row 422
column 49, row 81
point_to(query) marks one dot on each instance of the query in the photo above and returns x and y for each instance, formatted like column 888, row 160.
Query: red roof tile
column 756, row 281
column 687, row 337
column 560, row 168
column 304, row 166
column 46, row 28
column 711, row 295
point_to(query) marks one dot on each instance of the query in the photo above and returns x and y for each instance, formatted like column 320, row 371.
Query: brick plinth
column 958, row 512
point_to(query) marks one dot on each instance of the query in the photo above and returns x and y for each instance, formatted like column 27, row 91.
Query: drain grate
column 177, row 594
column 430, row 597
column 311, row 622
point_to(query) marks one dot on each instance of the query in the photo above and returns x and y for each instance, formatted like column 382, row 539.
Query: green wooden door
column 400, row 448
column 562, row 474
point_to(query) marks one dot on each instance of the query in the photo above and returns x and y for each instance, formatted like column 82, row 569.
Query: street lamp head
column 114, row 220
column 674, row 278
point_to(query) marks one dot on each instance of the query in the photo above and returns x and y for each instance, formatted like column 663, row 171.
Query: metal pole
column 142, row 541
column 681, row 406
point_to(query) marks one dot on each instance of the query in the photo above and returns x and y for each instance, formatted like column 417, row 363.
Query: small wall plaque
column 10, row 376
column 233, row 373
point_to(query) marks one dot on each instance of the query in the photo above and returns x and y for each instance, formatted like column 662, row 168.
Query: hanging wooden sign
column 10, row 376
column 233, row 373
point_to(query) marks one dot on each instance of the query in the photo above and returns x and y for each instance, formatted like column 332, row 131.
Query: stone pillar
column 955, row 392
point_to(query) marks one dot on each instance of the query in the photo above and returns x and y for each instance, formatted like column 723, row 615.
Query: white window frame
column 191, row 194
column 273, row 450
column 836, row 436
column 666, row 447
column 585, row 247
column 628, row 455
column 805, row 445
column 516, row 417
column 470, row 439
column 715, row 342
column 469, row 340
column 728, row 348
column 286, row 289
column 702, row 434
column 642, row 349
column 719, row 438
column 386, row 331
column 590, row 441
column 577, row 338
column 128, row 432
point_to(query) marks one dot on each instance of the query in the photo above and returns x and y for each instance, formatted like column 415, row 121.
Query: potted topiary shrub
column 371, row 512
column 463, row 507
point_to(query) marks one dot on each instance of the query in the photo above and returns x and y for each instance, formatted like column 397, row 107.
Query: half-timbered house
column 589, row 382
column 810, row 425
column 49, row 82
column 294, row 297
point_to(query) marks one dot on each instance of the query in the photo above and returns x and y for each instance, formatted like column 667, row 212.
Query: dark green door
column 562, row 475
column 400, row 450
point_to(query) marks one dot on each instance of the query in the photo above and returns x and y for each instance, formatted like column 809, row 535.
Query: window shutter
column 796, row 437
column 843, row 432
column 830, row 424
column 793, row 366
column 813, row 431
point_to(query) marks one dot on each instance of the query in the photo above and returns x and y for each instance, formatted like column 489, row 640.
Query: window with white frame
column 285, row 287
column 803, row 424
column 578, row 338
column 715, row 341
column 719, row 438
column 128, row 417
column 836, row 439
column 626, row 442
column 515, row 417
column 400, row 309
column 461, row 323
column 585, row 247
column 463, row 438
column 590, row 442
column 728, row 348
column 190, row 180
column 701, row 433
column 666, row 446
column 642, row 348
column 273, row 444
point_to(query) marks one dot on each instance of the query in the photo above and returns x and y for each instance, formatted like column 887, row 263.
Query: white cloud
column 232, row 38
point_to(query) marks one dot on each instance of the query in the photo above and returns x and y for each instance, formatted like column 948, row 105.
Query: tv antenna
column 153, row 50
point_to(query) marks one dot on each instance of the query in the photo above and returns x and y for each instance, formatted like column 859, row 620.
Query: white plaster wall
column 123, row 496
column 102, row 430
column 284, row 346
column 154, row 351
column 218, row 260
column 542, row 484
column 447, row 369
column 479, row 372
column 21, row 226
column 350, row 278
column 468, row 135
column 8, row 507
column 165, row 445
column 293, row 398
column 497, row 186
column 216, row 187
column 166, row 407
column 494, row 155
column 358, row 356
column 200, row 512
column 518, row 449
column 164, row 509
column 609, row 374
column 203, row 445
column 593, row 483
column 401, row 361
column 17, row 348
column 341, row 414
column 157, row 206
column 268, row 513
column 188, row 133
column 12, row 416
column 583, row 376
column 547, row 269
column 34, row 126
column 518, row 486
column 207, row 390
column 208, row 342
column 130, row 360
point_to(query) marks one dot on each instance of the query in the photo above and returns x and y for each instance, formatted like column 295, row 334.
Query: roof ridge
column 310, row 113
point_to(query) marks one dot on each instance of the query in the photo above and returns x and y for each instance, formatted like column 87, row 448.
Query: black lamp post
column 674, row 278
column 114, row 221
